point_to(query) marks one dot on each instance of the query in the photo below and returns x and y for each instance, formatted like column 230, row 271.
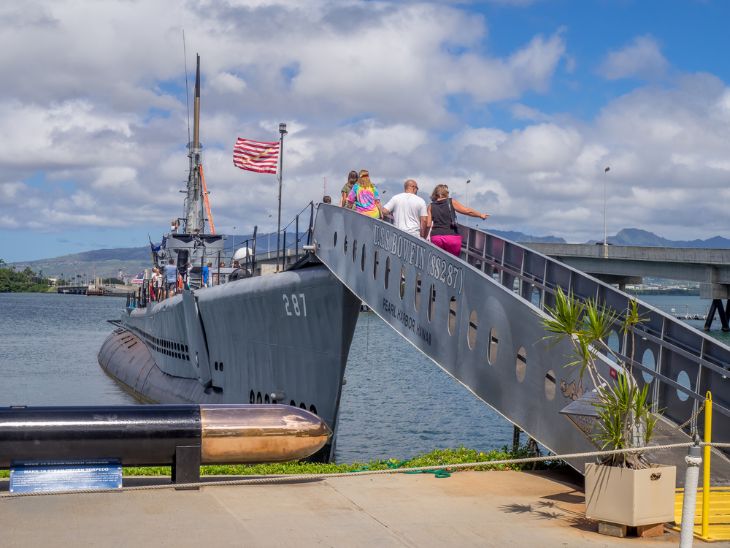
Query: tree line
column 25, row 281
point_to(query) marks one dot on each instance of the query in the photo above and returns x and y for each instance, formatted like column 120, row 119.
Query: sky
column 530, row 100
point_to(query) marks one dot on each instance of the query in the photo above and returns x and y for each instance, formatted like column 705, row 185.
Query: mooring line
column 286, row 478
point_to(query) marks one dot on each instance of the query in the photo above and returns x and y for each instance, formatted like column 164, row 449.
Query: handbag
column 454, row 224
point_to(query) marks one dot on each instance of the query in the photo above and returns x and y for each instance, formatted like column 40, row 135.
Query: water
column 687, row 304
column 396, row 402
column 48, row 346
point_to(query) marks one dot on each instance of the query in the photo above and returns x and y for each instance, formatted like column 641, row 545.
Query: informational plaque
column 54, row 476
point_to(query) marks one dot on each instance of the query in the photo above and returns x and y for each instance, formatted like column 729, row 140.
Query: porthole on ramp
column 521, row 364
column 471, row 335
column 431, row 302
column 402, row 282
column 683, row 380
column 452, row 315
column 614, row 343
column 647, row 360
column 536, row 296
column 386, row 275
column 493, row 346
column 550, row 386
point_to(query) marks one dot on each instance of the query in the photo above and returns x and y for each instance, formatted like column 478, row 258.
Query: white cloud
column 225, row 82
column 100, row 119
column 489, row 138
column 640, row 59
column 11, row 190
column 523, row 112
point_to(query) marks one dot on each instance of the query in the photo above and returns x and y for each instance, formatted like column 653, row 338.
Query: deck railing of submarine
column 675, row 355
column 291, row 250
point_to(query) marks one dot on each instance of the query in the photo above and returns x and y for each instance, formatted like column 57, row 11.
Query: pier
column 109, row 290
column 72, row 289
column 468, row 509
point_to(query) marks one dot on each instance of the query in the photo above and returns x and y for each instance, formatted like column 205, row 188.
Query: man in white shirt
column 408, row 210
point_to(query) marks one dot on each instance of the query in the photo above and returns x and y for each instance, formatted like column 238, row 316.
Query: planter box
column 630, row 497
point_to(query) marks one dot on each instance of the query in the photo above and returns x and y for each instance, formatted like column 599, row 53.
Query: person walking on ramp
column 442, row 219
column 408, row 210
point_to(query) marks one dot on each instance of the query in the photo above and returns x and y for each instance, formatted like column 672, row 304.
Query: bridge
column 479, row 317
column 628, row 264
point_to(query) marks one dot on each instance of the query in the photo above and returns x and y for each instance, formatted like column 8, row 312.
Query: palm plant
column 623, row 411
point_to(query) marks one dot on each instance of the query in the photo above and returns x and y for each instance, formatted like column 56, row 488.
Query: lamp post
column 468, row 219
column 282, row 132
column 233, row 251
column 605, row 233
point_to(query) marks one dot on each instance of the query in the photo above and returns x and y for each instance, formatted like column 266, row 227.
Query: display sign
column 54, row 476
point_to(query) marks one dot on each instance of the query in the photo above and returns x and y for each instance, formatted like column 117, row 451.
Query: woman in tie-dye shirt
column 364, row 197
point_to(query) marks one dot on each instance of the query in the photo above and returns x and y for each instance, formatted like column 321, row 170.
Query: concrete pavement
column 467, row 509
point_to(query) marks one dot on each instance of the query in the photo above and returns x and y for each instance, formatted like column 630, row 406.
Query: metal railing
column 684, row 362
column 291, row 252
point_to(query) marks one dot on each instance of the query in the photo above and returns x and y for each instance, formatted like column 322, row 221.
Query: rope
column 394, row 469
column 692, row 417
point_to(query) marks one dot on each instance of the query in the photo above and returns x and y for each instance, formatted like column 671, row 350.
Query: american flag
column 258, row 156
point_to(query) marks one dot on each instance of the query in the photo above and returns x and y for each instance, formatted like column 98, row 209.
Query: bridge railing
column 679, row 362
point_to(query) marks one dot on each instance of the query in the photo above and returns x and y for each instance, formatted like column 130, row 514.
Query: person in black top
column 441, row 220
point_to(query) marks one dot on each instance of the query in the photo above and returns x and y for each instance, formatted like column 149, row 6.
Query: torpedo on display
column 153, row 435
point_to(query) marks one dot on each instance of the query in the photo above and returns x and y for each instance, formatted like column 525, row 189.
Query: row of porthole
column 257, row 398
column 169, row 348
column 521, row 362
column 648, row 360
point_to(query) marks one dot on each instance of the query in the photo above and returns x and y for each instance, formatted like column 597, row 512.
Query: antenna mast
column 187, row 92
column 194, row 219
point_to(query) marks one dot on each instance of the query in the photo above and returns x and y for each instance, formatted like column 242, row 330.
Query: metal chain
column 257, row 480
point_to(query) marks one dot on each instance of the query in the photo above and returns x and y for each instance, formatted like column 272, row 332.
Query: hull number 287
column 295, row 304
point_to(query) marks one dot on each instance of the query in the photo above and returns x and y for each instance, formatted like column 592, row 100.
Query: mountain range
column 131, row 260
column 638, row 237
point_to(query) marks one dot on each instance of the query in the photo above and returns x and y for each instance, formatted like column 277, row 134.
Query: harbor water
column 396, row 402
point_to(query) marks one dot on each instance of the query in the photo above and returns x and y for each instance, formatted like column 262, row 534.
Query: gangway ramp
column 479, row 317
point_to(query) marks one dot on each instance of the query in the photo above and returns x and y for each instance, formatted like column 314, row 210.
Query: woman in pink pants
column 442, row 220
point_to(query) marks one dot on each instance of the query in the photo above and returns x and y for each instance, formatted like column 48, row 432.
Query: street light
column 605, row 233
column 234, row 240
column 468, row 219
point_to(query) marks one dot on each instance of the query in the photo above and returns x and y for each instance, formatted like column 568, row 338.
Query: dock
column 498, row 508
